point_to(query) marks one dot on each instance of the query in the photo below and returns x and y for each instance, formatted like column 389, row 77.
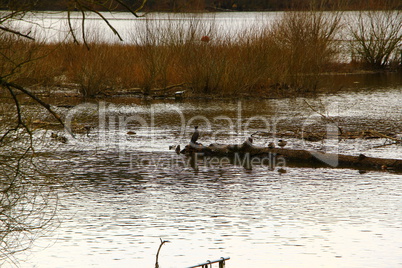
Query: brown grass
column 287, row 57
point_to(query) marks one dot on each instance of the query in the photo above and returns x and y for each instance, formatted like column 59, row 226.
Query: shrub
column 305, row 42
column 376, row 37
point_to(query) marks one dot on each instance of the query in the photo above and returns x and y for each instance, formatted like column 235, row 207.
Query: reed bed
column 284, row 58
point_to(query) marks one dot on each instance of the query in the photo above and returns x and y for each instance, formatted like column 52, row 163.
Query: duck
column 271, row 145
column 62, row 139
column 282, row 143
column 59, row 138
column 249, row 140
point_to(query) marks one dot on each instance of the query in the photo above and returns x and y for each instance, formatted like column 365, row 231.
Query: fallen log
column 292, row 156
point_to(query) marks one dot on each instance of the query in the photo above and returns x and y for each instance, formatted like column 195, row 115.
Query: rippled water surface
column 122, row 193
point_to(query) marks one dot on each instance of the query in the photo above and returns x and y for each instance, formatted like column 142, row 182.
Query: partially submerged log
column 312, row 158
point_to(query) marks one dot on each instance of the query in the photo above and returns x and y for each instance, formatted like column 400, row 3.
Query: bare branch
column 16, row 32
column 105, row 20
column 325, row 117
column 134, row 12
column 38, row 100
column 159, row 249
column 71, row 27
column 84, row 39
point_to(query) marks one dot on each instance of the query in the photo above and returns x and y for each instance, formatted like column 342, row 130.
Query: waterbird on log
column 282, row 143
column 87, row 129
column 195, row 136
column 271, row 145
column 295, row 157
column 177, row 149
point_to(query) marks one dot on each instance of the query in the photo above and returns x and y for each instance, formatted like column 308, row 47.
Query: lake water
column 121, row 193
column 53, row 26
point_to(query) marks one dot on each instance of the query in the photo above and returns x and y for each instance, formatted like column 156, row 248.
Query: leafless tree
column 377, row 36
column 307, row 41
column 26, row 209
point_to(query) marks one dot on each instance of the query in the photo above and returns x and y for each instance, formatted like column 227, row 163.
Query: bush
column 289, row 54
column 305, row 41
column 376, row 37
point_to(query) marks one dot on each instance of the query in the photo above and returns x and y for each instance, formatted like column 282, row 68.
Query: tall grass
column 286, row 57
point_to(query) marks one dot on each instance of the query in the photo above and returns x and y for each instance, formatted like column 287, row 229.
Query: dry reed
column 284, row 58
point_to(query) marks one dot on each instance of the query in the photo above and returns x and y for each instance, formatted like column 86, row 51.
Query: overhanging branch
column 16, row 32
column 38, row 100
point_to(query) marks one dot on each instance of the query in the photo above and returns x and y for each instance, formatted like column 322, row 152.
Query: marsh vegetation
column 287, row 56
column 133, row 199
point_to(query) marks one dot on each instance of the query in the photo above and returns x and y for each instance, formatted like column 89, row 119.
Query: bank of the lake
column 259, row 54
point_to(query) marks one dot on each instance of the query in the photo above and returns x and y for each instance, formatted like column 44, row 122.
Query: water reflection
column 311, row 216
column 28, row 208
column 121, row 203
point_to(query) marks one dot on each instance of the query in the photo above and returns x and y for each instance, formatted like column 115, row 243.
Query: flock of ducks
column 196, row 135
column 271, row 145
column 193, row 140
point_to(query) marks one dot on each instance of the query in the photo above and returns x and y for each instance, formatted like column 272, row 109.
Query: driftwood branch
column 159, row 249
column 168, row 87
column 260, row 132
column 325, row 117
column 310, row 158
column 376, row 133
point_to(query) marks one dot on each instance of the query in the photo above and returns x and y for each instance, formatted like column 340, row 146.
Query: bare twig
column 70, row 26
column 106, row 21
column 132, row 11
column 168, row 87
column 157, row 254
column 385, row 136
column 325, row 117
column 82, row 7
column 38, row 100
column 16, row 32
column 260, row 132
